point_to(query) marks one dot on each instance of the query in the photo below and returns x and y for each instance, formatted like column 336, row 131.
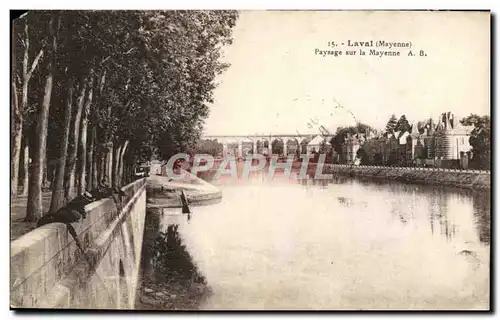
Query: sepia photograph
column 250, row 160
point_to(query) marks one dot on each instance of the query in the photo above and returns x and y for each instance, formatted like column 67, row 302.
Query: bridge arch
column 247, row 146
column 292, row 146
column 303, row 144
column 277, row 146
column 263, row 144
column 240, row 145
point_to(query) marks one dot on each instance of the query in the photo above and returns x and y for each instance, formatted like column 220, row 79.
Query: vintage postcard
column 250, row 160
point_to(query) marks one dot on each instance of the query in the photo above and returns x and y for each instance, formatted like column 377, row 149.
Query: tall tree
column 403, row 125
column 363, row 156
column 58, row 198
column 160, row 70
column 338, row 140
column 71, row 187
column 83, row 142
column 20, row 110
column 26, row 163
column 480, row 139
column 34, row 208
column 391, row 124
column 211, row 147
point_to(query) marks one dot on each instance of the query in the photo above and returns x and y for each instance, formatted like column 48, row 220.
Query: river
column 345, row 244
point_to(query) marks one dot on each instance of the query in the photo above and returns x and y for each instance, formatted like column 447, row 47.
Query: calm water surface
column 347, row 244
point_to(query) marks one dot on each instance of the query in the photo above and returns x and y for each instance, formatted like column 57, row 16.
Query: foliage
column 363, row 156
column 338, row 140
column 326, row 149
column 159, row 68
column 211, row 147
column 277, row 146
column 480, row 139
column 148, row 76
column 402, row 125
column 391, row 124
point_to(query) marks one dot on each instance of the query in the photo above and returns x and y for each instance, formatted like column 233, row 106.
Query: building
column 442, row 143
column 316, row 143
column 155, row 167
column 452, row 138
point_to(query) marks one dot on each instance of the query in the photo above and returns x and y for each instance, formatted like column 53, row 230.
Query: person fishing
column 72, row 212
column 103, row 190
column 185, row 204
column 75, row 209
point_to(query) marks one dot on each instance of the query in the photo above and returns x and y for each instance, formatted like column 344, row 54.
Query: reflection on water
column 169, row 279
column 482, row 215
column 346, row 244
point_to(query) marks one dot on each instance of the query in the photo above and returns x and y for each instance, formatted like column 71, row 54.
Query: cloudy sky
column 276, row 83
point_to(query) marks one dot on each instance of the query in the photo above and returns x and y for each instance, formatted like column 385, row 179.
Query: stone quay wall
column 470, row 179
column 49, row 270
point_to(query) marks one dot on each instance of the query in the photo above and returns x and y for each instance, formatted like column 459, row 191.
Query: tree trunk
column 74, row 142
column 45, row 180
column 17, row 133
column 102, row 167
column 83, row 159
column 109, row 165
column 18, row 110
column 24, row 106
column 49, row 176
column 90, row 160
column 124, row 173
column 34, row 209
column 52, row 176
column 83, row 144
column 129, row 172
column 58, row 200
column 116, row 159
column 26, row 166
column 94, row 159
column 120, row 163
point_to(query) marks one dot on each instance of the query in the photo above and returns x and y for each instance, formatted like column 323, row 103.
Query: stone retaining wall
column 48, row 270
column 472, row 179
column 198, row 191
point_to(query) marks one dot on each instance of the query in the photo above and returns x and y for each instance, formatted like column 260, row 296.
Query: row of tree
column 338, row 139
column 209, row 146
column 397, row 125
column 91, row 90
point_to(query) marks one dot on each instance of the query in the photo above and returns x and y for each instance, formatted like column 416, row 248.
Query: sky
column 277, row 84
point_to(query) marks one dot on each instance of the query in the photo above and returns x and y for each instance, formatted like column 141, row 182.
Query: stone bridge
column 253, row 141
column 48, row 270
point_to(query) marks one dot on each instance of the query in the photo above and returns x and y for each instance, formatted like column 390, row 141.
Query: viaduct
column 252, row 141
